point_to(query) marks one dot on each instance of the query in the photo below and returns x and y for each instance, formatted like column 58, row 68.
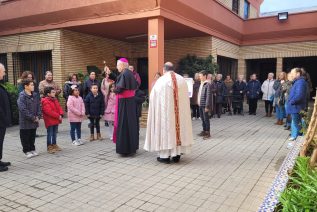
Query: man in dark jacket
column 253, row 92
column 238, row 95
column 204, row 102
column 220, row 91
column 194, row 99
column 5, row 117
column 90, row 81
column 296, row 102
column 139, row 99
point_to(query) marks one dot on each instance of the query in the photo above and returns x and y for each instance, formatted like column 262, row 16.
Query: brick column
column 279, row 66
column 155, row 47
column 242, row 68
column 10, row 67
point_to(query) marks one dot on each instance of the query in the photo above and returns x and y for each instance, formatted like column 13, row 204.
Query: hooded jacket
column 51, row 110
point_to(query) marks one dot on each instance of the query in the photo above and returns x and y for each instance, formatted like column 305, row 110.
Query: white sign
column 190, row 83
column 153, row 41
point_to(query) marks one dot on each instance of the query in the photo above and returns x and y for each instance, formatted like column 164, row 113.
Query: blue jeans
column 288, row 118
column 205, row 119
column 296, row 125
column 280, row 112
column 75, row 127
column 51, row 135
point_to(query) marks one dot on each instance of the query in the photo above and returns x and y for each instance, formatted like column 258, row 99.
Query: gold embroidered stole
column 176, row 109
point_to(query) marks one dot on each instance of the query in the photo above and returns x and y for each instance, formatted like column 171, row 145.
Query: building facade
column 68, row 36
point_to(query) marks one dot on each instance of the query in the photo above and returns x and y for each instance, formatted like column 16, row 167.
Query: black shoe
column 3, row 168
column 163, row 160
column 4, row 164
column 176, row 158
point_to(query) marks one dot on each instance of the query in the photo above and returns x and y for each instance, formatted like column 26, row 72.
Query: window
column 235, row 6
column 246, row 9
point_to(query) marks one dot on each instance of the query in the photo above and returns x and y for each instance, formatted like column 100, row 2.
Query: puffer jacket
column 297, row 97
column 267, row 90
column 253, row 89
column 51, row 110
column 95, row 105
column 29, row 110
column 76, row 109
column 206, row 95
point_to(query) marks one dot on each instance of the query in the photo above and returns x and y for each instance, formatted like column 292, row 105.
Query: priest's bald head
column 122, row 64
column 168, row 66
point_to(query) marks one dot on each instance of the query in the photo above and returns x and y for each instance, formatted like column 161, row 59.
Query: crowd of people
column 118, row 101
column 287, row 96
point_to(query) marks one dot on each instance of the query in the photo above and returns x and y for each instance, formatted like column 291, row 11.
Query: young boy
column 29, row 116
column 52, row 115
column 95, row 108
column 204, row 102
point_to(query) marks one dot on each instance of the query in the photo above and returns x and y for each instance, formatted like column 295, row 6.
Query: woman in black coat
column 220, row 91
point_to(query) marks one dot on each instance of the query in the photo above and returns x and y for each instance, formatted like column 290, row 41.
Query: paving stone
column 230, row 172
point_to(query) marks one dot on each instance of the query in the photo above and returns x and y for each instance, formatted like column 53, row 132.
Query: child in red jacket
column 52, row 115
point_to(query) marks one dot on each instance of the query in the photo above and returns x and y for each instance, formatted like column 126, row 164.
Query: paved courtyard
column 230, row 172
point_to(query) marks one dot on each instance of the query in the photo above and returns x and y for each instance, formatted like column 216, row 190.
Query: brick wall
column 177, row 48
column 81, row 50
column 224, row 48
column 28, row 42
column 253, row 12
column 298, row 49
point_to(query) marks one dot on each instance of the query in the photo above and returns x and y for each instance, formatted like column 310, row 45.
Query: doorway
column 261, row 67
column 228, row 66
column 143, row 70
column 37, row 62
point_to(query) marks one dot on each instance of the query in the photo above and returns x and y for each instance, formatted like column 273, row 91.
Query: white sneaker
column 35, row 153
column 290, row 145
column 111, row 139
column 29, row 155
column 76, row 143
column 291, row 139
column 193, row 118
column 80, row 142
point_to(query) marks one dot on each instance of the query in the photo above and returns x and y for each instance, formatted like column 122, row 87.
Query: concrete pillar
column 279, row 66
column 242, row 68
column 155, row 47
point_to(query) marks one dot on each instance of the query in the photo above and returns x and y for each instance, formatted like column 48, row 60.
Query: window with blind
column 235, row 6
column 246, row 9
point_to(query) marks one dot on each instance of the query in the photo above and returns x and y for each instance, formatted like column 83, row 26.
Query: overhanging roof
column 119, row 19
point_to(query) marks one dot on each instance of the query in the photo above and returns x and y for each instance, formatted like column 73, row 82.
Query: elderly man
column 125, row 133
column 5, row 117
column 169, row 127
column 49, row 82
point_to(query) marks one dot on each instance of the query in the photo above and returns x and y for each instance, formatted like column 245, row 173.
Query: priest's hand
column 206, row 110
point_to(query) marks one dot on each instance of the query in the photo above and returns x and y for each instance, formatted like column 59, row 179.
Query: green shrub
column 301, row 192
column 13, row 95
column 192, row 64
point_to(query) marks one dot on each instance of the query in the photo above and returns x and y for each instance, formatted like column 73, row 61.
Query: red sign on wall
column 153, row 41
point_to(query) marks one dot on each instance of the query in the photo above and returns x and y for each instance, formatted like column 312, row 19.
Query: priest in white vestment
column 169, row 125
